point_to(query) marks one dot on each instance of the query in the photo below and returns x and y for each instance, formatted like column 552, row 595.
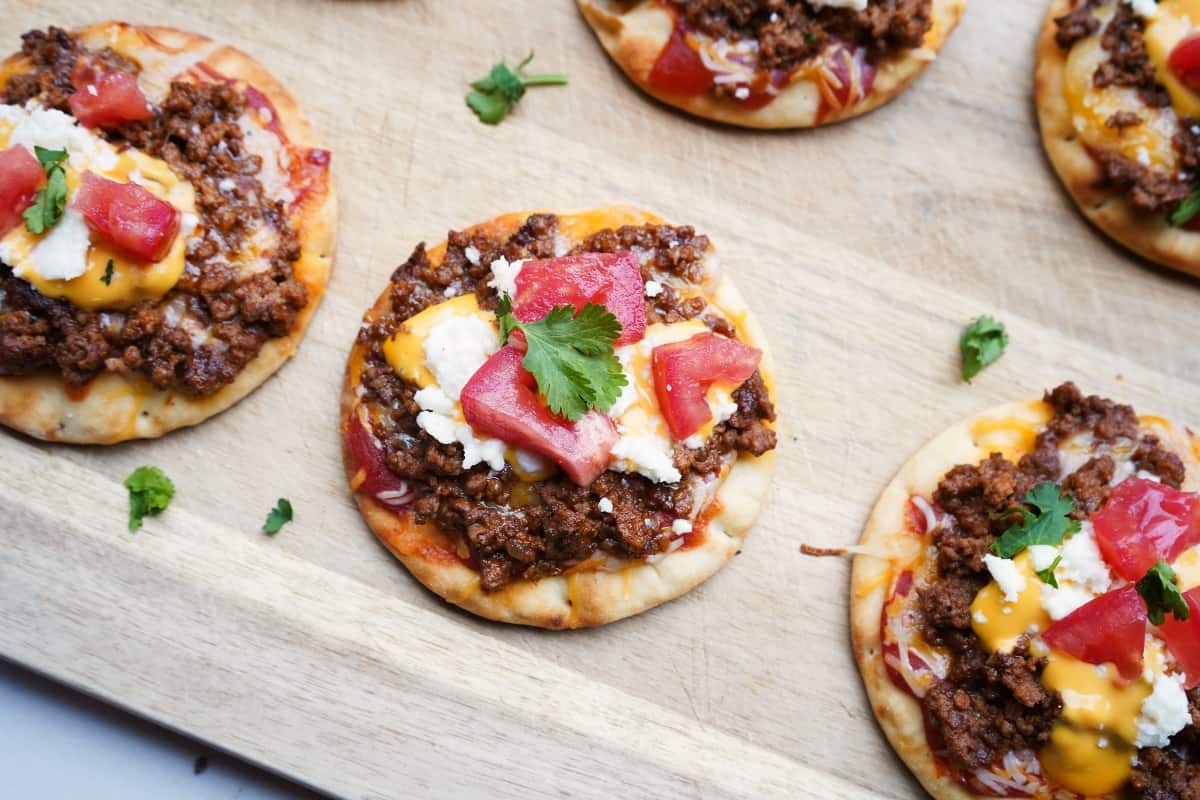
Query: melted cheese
column 405, row 349
column 1149, row 143
column 1187, row 567
column 1174, row 20
column 66, row 262
column 1013, row 436
column 1001, row 616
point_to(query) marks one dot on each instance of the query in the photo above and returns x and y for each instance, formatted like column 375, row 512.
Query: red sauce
column 77, row 394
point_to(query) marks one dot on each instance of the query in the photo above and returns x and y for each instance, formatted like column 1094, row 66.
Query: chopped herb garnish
column 1162, row 594
column 1047, row 575
column 277, row 517
column 1188, row 208
column 150, row 492
column 503, row 87
column 982, row 343
column 49, row 202
column 1050, row 525
column 49, row 159
column 107, row 277
column 570, row 356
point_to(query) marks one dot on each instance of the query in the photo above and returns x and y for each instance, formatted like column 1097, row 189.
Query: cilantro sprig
column 277, row 517
column 503, row 87
column 570, row 355
column 1188, row 208
column 1160, row 590
column 150, row 492
column 1047, row 575
column 51, row 200
column 1049, row 524
column 107, row 277
column 982, row 343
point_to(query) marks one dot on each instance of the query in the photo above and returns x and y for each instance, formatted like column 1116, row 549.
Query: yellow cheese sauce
column 999, row 623
column 404, row 350
column 1011, row 436
column 131, row 280
column 1149, row 143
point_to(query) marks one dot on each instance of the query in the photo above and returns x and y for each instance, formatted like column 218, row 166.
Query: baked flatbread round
column 889, row 547
column 116, row 407
column 1148, row 235
column 635, row 32
column 576, row 599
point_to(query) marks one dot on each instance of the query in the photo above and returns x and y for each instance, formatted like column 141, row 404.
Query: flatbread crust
column 898, row 713
column 115, row 407
column 583, row 598
column 1148, row 235
column 635, row 32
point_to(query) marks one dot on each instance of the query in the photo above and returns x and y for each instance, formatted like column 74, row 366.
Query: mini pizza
column 1026, row 605
column 560, row 420
column 773, row 63
column 166, row 231
column 1118, row 97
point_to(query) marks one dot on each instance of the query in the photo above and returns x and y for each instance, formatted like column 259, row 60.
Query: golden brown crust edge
column 635, row 33
column 116, row 408
column 581, row 599
column 899, row 715
column 1148, row 235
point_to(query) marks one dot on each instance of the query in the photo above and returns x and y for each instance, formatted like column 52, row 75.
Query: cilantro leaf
column 1050, row 525
column 107, row 277
column 982, row 343
column 1187, row 208
column 503, row 87
column 150, row 492
column 277, row 517
column 48, row 203
column 49, row 159
column 1162, row 594
column 1047, row 575
column 570, row 356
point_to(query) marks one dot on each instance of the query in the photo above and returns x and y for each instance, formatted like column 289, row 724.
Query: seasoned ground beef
column 510, row 529
column 992, row 704
column 1172, row 773
column 790, row 32
column 1148, row 188
column 195, row 132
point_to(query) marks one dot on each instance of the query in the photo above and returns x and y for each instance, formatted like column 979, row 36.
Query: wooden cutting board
column 865, row 248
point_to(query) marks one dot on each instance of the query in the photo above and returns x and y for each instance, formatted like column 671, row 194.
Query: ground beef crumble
column 789, row 32
column 510, row 529
column 195, row 132
column 1172, row 773
column 1150, row 189
column 991, row 704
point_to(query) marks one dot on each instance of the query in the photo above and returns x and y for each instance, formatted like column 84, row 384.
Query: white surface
column 56, row 743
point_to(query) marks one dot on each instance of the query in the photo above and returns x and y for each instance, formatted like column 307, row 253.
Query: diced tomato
column 1183, row 639
column 1109, row 630
column 684, row 371
column 103, row 99
column 366, row 455
column 128, row 216
column 20, row 177
column 501, row 400
column 1184, row 62
column 1144, row 522
column 613, row 280
column 679, row 68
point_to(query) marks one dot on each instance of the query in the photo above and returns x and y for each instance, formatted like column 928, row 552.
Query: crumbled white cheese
column 1082, row 575
column 62, row 254
column 227, row 184
column 741, row 93
column 455, row 349
column 647, row 454
column 439, row 419
column 504, row 276
column 694, row 442
column 472, row 254
column 605, row 505
column 1146, row 9
column 653, row 288
column 46, row 127
column 1007, row 576
column 531, row 463
column 1164, row 714
column 1042, row 556
column 681, row 526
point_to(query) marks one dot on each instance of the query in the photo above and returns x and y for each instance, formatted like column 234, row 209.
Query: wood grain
column 863, row 247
